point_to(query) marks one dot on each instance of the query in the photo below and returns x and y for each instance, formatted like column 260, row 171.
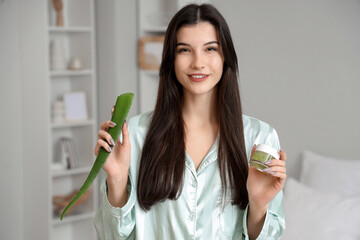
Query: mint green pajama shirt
column 199, row 212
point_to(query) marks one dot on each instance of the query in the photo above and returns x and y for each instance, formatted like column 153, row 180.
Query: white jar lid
column 269, row 150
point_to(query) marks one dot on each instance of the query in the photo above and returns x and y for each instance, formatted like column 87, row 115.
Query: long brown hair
column 162, row 165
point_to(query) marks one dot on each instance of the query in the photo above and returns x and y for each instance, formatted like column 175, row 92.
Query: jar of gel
column 262, row 154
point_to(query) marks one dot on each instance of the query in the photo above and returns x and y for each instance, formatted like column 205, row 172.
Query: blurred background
column 299, row 67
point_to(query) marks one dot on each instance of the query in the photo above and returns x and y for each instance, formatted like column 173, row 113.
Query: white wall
column 11, row 125
column 23, row 143
column 116, row 54
column 299, row 71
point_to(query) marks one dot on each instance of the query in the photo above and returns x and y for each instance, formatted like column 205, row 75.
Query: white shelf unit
column 78, row 37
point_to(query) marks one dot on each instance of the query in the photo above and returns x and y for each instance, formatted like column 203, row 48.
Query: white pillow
column 330, row 175
column 311, row 214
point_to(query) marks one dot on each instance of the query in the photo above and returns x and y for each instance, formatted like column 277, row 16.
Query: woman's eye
column 181, row 50
column 211, row 49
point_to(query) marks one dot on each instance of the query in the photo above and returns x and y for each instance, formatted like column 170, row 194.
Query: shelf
column 62, row 73
column 75, row 39
column 70, row 29
column 72, row 124
column 73, row 218
column 69, row 172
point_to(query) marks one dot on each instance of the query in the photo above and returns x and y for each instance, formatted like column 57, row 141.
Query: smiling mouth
column 198, row 77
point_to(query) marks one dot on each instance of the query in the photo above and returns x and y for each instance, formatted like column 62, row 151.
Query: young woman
column 181, row 171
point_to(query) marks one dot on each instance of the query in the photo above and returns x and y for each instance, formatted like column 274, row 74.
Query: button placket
column 194, row 200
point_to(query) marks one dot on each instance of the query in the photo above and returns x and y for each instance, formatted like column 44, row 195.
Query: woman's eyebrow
column 188, row 45
column 182, row 44
column 212, row 42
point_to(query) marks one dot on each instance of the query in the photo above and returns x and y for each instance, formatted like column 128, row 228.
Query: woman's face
column 199, row 59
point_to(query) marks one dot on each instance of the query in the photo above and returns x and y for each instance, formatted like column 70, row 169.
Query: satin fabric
column 199, row 212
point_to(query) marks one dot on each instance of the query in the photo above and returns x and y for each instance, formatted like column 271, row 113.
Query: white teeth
column 198, row 76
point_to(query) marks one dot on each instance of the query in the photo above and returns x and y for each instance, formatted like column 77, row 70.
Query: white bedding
column 325, row 203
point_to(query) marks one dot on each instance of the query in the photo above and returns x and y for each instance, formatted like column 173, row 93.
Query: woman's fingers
column 276, row 167
column 275, row 162
column 105, row 125
column 277, row 174
column 101, row 143
column 283, row 155
column 125, row 133
column 105, row 135
column 104, row 138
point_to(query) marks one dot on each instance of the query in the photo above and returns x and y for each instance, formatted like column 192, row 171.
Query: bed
column 324, row 203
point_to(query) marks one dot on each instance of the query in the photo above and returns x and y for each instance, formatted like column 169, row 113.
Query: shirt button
column 192, row 215
column 194, row 184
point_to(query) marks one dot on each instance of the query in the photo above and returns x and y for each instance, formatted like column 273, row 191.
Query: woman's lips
column 198, row 77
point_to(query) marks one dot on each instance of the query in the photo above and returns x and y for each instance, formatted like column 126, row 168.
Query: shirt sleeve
column 274, row 224
column 114, row 222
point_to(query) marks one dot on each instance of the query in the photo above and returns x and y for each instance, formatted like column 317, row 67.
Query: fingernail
column 111, row 123
column 109, row 149
column 268, row 162
column 266, row 169
column 112, row 142
column 272, row 173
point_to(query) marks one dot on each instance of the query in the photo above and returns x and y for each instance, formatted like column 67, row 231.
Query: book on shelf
column 69, row 156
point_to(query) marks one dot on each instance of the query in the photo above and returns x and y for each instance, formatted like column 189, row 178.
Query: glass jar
column 262, row 154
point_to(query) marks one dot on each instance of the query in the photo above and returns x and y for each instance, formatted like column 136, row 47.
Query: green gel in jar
column 262, row 154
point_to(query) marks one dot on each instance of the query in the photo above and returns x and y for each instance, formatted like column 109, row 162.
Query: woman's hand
column 263, row 187
column 118, row 163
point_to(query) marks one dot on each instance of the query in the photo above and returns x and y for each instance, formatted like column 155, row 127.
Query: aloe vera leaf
column 121, row 110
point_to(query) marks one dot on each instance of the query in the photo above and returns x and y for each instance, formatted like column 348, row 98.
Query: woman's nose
column 198, row 61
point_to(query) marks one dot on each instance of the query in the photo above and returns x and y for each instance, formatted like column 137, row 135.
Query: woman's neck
column 200, row 110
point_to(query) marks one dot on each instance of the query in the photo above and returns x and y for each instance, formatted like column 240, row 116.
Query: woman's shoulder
column 140, row 122
column 258, row 131
column 252, row 123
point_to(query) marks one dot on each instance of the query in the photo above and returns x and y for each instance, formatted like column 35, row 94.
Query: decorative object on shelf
column 68, row 156
column 75, row 106
column 75, row 63
column 150, row 51
column 58, row 6
column 61, row 201
column 58, row 111
column 57, row 55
